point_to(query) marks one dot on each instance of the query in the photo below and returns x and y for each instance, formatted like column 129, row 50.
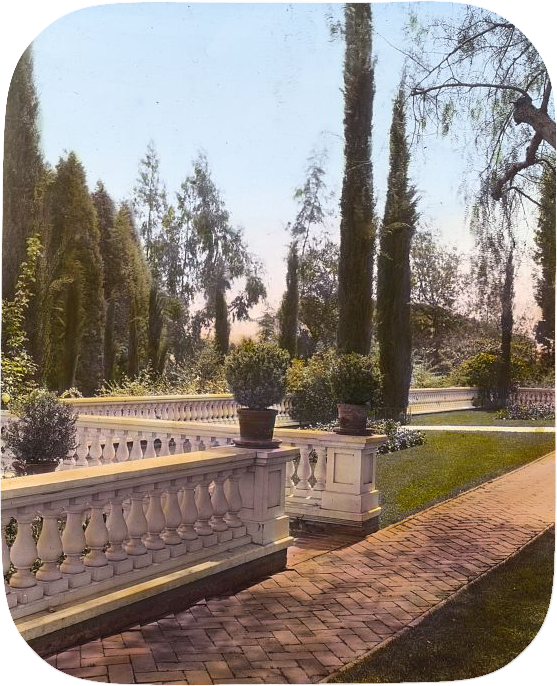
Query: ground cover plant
column 474, row 418
column 539, row 411
column 480, row 631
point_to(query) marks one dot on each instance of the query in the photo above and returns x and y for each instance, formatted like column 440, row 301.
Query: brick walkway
column 332, row 606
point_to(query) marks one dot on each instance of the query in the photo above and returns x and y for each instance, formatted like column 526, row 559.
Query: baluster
column 122, row 454
column 150, row 449
column 204, row 512
column 117, row 534
column 73, row 543
column 165, row 450
column 187, row 412
column 214, row 443
column 320, row 471
column 49, row 549
column 109, row 454
column 23, row 555
column 155, row 525
column 137, row 527
column 136, row 453
column 172, row 516
column 69, row 462
column 304, row 472
column 290, row 470
column 234, row 499
column 189, row 515
column 10, row 595
column 96, row 538
column 96, row 451
column 219, row 504
column 82, row 449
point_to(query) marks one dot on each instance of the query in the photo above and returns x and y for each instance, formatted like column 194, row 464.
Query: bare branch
column 513, row 169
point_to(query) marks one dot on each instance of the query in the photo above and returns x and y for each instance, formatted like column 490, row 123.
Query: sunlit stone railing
column 332, row 482
column 220, row 408
column 533, row 396
column 115, row 525
column 424, row 400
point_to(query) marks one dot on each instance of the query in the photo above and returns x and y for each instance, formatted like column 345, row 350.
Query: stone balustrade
column 425, row 400
column 333, row 482
column 534, row 396
column 124, row 531
column 220, row 408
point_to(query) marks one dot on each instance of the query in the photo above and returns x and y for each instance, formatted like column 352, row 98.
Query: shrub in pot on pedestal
column 43, row 433
column 356, row 383
column 256, row 374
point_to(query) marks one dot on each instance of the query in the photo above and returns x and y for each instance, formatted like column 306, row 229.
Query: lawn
column 475, row 418
column 480, row 631
column 448, row 463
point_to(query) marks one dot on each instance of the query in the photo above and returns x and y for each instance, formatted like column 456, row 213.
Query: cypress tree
column 77, row 314
column 157, row 344
column 22, row 170
column 356, row 226
column 393, row 270
column 288, row 312
column 222, row 325
column 545, row 258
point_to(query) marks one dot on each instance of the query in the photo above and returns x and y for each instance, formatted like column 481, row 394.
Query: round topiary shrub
column 256, row 374
column 355, row 379
column 44, row 432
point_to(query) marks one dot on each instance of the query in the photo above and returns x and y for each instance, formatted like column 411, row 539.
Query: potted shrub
column 256, row 374
column 355, row 383
column 43, row 433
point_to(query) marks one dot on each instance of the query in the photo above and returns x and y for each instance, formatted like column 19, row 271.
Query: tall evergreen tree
column 393, row 270
column 157, row 341
column 357, row 226
column 545, row 258
column 22, row 170
column 288, row 312
column 77, row 312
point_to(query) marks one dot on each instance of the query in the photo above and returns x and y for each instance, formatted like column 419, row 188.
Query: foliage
column 73, row 306
column 528, row 412
column 424, row 377
column 18, row 367
column 545, row 258
column 22, row 171
column 310, row 388
column 355, row 379
column 357, row 227
column 44, row 431
column 256, row 373
column 398, row 437
column 393, row 269
column 288, row 311
column 157, row 343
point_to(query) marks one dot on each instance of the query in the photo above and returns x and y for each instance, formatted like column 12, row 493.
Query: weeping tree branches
column 491, row 75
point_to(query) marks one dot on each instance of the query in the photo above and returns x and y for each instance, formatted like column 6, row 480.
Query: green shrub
column 527, row 412
column 44, row 431
column 355, row 379
column 311, row 391
column 256, row 373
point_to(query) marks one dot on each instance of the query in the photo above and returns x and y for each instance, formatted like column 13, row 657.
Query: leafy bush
column 44, row 431
column 256, row 373
column 528, row 412
column 355, row 379
column 309, row 385
column 424, row 377
column 398, row 437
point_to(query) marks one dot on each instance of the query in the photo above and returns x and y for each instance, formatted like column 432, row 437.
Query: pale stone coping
column 45, row 622
column 146, row 398
column 145, row 425
column 19, row 490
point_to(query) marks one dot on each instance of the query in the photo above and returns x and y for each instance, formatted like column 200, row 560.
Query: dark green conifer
column 288, row 312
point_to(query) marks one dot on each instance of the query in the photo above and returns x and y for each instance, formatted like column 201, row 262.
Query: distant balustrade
column 115, row 525
column 426, row 400
column 535, row 396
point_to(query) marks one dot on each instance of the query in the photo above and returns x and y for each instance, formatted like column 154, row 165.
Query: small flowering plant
column 256, row 374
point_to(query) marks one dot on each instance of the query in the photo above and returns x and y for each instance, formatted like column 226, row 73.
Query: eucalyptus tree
column 393, row 269
column 476, row 67
column 357, row 206
column 23, row 167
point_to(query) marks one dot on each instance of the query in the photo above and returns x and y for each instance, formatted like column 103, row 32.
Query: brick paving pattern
column 329, row 606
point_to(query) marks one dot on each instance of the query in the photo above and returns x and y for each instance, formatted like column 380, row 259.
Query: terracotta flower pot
column 256, row 428
column 352, row 420
column 39, row 467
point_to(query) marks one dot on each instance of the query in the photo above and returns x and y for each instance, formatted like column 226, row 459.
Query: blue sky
column 255, row 87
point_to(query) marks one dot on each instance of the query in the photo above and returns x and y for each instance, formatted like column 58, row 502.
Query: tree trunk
column 527, row 113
